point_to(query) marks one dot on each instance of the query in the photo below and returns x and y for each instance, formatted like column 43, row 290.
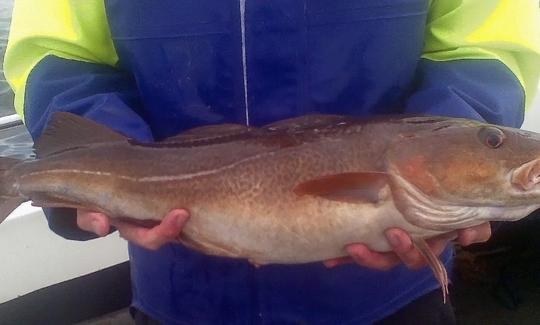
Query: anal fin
column 44, row 200
column 8, row 204
column 57, row 204
column 434, row 263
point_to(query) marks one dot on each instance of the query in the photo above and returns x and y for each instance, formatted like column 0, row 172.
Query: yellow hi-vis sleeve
column 505, row 30
column 73, row 29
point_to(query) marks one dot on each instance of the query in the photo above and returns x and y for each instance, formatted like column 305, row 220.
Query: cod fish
column 295, row 191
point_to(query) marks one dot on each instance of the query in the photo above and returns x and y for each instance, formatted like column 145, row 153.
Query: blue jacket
column 181, row 64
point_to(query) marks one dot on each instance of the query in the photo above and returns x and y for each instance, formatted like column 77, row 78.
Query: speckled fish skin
column 296, row 191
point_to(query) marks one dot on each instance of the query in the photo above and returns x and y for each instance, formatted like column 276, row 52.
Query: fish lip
column 527, row 176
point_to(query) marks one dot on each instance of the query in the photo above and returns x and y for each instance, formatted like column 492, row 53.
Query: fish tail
column 9, row 200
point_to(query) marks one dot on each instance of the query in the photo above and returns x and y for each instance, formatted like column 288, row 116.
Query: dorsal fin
column 205, row 135
column 67, row 131
column 305, row 122
column 209, row 133
column 216, row 129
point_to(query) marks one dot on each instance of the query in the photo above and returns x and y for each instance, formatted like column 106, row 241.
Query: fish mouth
column 526, row 178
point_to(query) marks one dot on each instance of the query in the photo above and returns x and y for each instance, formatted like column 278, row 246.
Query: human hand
column 166, row 231
column 404, row 250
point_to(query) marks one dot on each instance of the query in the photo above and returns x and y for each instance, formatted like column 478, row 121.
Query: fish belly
column 312, row 230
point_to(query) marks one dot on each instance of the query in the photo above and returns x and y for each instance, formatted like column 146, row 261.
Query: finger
column 476, row 234
column 338, row 261
column 153, row 238
column 172, row 224
column 403, row 246
column 94, row 222
column 363, row 256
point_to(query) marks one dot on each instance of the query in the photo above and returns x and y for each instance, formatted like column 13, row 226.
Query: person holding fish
column 150, row 70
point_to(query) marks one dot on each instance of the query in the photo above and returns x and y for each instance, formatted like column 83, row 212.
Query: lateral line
column 150, row 179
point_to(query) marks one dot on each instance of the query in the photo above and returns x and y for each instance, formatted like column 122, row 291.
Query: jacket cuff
column 63, row 221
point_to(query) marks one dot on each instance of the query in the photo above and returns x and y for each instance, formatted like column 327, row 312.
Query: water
column 15, row 142
column 6, row 95
column 14, row 139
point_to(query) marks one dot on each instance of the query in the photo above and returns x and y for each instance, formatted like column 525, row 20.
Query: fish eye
column 492, row 137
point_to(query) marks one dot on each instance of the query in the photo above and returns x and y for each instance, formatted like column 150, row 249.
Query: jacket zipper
column 244, row 57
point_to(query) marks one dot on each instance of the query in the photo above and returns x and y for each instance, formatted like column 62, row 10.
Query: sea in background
column 6, row 95
column 15, row 141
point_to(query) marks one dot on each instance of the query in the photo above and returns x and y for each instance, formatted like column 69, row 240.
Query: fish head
column 468, row 165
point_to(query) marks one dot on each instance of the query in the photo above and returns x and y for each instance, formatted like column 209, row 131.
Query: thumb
column 95, row 222
column 172, row 223
column 153, row 238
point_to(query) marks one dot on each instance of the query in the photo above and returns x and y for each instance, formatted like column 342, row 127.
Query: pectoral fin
column 365, row 187
column 435, row 263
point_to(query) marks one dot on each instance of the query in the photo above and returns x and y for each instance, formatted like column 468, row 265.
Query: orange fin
column 67, row 131
column 364, row 187
column 435, row 263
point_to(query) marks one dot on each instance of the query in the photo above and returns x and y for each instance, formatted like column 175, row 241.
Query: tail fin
column 8, row 200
